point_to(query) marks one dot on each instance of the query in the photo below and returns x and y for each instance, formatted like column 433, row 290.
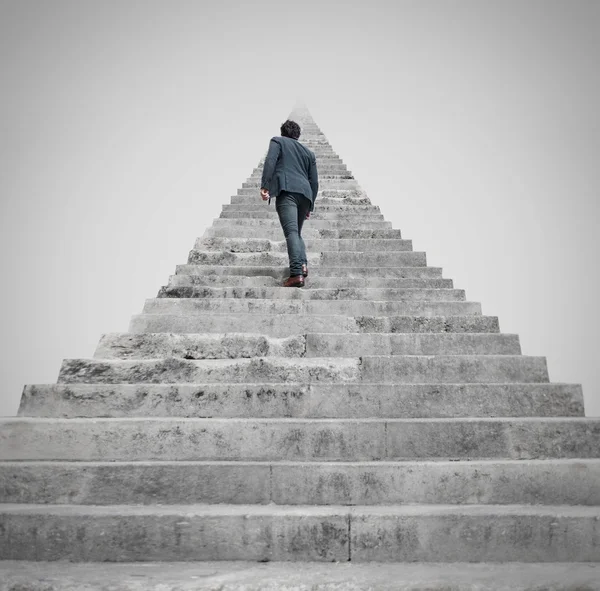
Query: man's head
column 290, row 129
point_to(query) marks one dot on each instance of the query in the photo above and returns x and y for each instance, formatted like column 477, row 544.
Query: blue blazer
column 290, row 166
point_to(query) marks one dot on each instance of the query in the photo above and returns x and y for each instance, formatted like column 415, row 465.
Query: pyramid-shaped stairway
column 375, row 415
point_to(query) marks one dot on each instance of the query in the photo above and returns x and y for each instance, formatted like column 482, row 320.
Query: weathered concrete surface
column 548, row 482
column 342, row 293
column 318, row 214
column 309, row 232
column 315, row 282
column 327, row 259
column 327, row 207
column 312, row 244
column 415, row 369
column 346, row 345
column 454, row 368
column 258, row 224
column 190, row 306
column 302, row 400
column 173, row 532
column 475, row 533
column 247, row 345
column 173, row 370
column 282, row 271
column 297, row 576
column 297, row 439
column 197, row 346
column 280, row 325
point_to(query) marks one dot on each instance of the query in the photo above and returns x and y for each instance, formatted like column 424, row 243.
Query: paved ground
column 295, row 576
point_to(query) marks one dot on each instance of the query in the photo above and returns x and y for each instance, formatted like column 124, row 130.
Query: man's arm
column 270, row 161
column 313, row 179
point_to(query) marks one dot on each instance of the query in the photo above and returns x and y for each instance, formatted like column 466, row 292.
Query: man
column 290, row 175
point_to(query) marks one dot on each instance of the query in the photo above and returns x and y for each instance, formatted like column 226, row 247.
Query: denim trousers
column 292, row 209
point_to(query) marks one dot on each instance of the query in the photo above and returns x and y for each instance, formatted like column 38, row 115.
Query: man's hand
column 307, row 214
column 264, row 193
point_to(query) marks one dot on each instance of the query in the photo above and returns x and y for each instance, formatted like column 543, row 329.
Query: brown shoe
column 297, row 281
column 304, row 269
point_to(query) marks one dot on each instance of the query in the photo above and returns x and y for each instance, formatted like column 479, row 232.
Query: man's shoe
column 304, row 269
column 297, row 281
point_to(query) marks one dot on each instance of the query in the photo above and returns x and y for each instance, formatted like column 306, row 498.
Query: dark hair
column 290, row 129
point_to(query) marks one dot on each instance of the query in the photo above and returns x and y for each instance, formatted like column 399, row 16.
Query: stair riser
column 253, row 370
column 271, row 214
column 315, row 259
column 330, row 183
column 177, row 537
column 335, row 199
column 185, row 536
column 259, row 205
column 358, row 223
column 315, row 282
column 190, row 306
column 312, row 245
column 481, row 538
column 282, row 271
column 287, row 325
column 482, row 483
column 302, row 400
column 234, row 346
column 307, row 233
column 455, row 369
column 283, row 293
column 287, row 439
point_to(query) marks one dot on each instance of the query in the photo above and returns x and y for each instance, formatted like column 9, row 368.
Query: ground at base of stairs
column 296, row 576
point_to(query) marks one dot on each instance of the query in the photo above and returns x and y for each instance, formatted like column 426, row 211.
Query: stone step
column 417, row 369
column 308, row 293
column 315, row 223
column 274, row 233
column 256, row 205
column 394, row 533
column 192, row 306
column 179, row 439
column 323, row 167
column 285, row 325
column 340, row 173
column 269, row 213
column 314, row 282
column 454, row 368
column 316, row 400
column 312, row 245
column 334, row 200
column 247, row 345
column 326, row 184
column 299, row 576
column 318, row 271
column 345, row 259
column 480, row 482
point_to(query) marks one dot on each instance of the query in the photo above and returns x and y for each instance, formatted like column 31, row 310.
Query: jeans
column 292, row 209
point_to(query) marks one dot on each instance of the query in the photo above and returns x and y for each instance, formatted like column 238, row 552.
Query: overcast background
column 125, row 126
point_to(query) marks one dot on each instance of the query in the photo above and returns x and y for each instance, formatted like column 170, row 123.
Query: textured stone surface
column 298, row 439
column 316, row 400
column 173, row 532
column 320, row 307
column 549, row 482
column 476, row 533
column 173, row 369
column 341, row 293
column 298, row 576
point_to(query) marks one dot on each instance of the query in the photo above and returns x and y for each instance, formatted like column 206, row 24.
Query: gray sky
column 125, row 126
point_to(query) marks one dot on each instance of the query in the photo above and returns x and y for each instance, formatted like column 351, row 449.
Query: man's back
column 290, row 166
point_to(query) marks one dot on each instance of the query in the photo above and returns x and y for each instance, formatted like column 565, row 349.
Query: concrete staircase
column 375, row 415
